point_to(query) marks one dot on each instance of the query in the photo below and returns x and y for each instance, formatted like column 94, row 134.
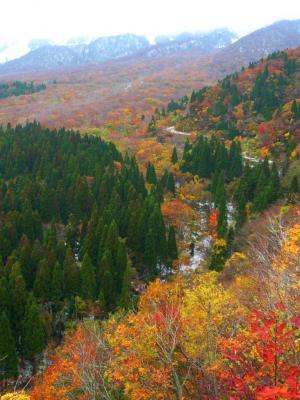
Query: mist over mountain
column 258, row 44
column 228, row 50
column 78, row 53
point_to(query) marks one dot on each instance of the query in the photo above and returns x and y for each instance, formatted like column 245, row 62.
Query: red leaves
column 213, row 222
column 262, row 359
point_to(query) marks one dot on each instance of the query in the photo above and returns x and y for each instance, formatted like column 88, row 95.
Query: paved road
column 171, row 129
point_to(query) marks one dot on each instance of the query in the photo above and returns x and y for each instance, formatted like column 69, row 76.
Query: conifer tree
column 120, row 265
column 274, row 184
column 293, row 190
column 222, row 218
column 18, row 293
column 171, row 183
column 220, row 196
column 229, row 240
column 294, row 108
column 8, row 354
column 87, row 279
column 157, row 226
column 218, row 256
column 107, row 289
column 112, row 239
column 57, row 285
column 33, row 330
column 172, row 245
column 241, row 211
column 71, row 274
column 294, row 186
column 42, row 283
column 150, row 256
column 151, row 174
column 174, row 157
column 126, row 292
column 5, row 297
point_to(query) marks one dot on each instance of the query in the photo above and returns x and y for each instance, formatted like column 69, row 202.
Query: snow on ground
column 201, row 238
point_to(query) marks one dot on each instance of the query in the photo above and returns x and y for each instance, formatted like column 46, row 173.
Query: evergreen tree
column 172, row 245
column 151, row 174
column 220, row 196
column 72, row 234
column 294, row 108
column 8, row 354
column 293, row 190
column 42, row 283
column 120, row 265
column 33, row 330
column 218, row 255
column 107, row 289
column 150, row 256
column 294, row 186
column 241, row 211
column 174, row 157
column 222, row 218
column 157, row 227
column 171, row 183
column 5, row 298
column 112, row 239
column 17, row 290
column 274, row 184
column 71, row 274
column 235, row 167
column 88, row 279
column 126, row 292
column 57, row 285
column 262, row 192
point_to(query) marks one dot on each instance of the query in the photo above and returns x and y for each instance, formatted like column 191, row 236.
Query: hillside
column 116, row 98
column 279, row 36
column 49, row 57
column 169, row 271
column 259, row 105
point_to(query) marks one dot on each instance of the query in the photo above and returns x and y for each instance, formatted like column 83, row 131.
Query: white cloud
column 62, row 19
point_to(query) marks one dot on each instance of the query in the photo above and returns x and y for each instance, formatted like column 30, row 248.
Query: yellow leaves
column 295, row 152
column 191, row 191
column 289, row 256
column 209, row 310
column 15, row 396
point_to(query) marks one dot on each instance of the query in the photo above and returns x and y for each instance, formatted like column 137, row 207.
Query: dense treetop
column 18, row 88
column 77, row 221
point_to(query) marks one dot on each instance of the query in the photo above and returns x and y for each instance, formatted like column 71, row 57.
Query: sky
column 59, row 20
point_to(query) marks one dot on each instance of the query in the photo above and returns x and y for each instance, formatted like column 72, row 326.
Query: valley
column 150, row 219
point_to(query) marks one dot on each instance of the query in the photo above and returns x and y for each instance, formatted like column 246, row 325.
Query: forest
column 99, row 296
column 18, row 88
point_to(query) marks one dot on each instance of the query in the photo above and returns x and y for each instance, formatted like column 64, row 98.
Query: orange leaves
column 177, row 213
column 191, row 191
column 72, row 371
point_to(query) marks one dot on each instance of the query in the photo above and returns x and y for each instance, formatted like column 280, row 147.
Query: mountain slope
column 252, row 47
column 102, row 49
column 205, row 43
column 115, row 47
column 261, row 103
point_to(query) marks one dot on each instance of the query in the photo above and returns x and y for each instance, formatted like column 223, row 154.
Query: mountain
column 115, row 47
column 53, row 57
column 261, row 102
column 203, row 43
column 278, row 36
